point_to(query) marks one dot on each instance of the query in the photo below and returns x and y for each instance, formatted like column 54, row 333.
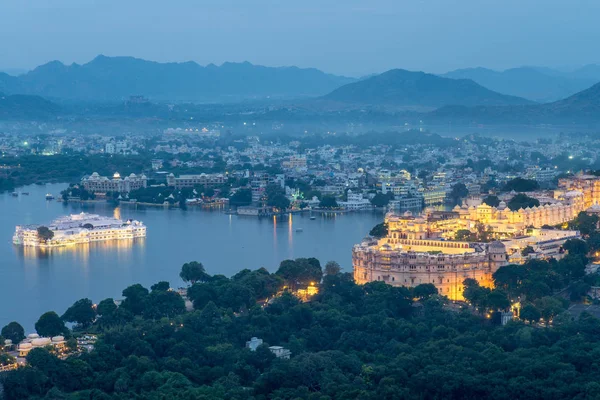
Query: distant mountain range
column 401, row 88
column 580, row 108
column 534, row 83
column 117, row 78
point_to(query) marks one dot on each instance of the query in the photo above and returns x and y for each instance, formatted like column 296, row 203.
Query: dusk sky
column 344, row 36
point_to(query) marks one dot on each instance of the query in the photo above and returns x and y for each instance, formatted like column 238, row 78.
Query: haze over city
column 282, row 200
column 352, row 37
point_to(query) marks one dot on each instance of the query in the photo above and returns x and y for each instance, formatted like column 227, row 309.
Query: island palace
column 79, row 229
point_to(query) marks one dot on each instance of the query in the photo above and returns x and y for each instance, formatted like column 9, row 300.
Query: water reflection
column 80, row 251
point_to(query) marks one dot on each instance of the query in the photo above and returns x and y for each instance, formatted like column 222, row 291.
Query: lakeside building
column 34, row 341
column 420, row 249
column 411, row 255
column 190, row 181
column 355, row 202
column 102, row 184
column 78, row 229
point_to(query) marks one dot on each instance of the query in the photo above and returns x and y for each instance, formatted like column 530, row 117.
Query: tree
column 242, row 197
column 521, row 185
column 135, row 299
column 328, row 202
column 332, row 268
column 424, row 291
column 459, row 191
column 521, row 200
column 549, row 307
column 82, row 312
column 527, row 251
column 379, row 231
column 578, row 291
column 13, row 331
column 497, row 300
column 44, row 234
column 475, row 294
column 381, row 200
column 300, row 272
column 160, row 286
column 584, row 223
column 576, row 247
column 463, row 235
column 492, row 201
column 106, row 307
column 193, row 272
column 530, row 313
column 50, row 325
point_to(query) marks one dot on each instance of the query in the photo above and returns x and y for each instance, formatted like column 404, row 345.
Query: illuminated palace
column 422, row 249
column 413, row 253
column 78, row 229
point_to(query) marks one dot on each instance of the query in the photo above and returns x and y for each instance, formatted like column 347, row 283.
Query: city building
column 355, row 202
column 190, row 181
column 102, row 184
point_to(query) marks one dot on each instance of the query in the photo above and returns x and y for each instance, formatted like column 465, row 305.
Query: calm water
column 33, row 282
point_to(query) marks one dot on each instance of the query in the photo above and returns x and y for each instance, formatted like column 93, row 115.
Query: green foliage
column 242, row 197
column 193, row 272
column 521, row 200
column 530, row 313
column 521, row 185
column 459, row 191
column 379, row 231
column 576, row 247
column 44, row 233
column 527, row 251
column 348, row 342
column 328, row 202
column 492, row 201
column 300, row 272
column 584, row 223
column 50, row 325
column 13, row 331
column 81, row 312
column 539, row 278
column 332, row 268
column 382, row 200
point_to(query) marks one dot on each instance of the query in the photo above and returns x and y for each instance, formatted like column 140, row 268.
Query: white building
column 78, row 229
column 103, row 184
column 355, row 202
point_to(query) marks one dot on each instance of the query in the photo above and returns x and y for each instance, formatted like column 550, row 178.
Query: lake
column 34, row 281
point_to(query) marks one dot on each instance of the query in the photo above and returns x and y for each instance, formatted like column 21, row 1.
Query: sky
column 348, row 37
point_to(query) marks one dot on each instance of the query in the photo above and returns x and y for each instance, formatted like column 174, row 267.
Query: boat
column 49, row 196
column 299, row 230
column 25, row 193
column 14, row 194
column 312, row 217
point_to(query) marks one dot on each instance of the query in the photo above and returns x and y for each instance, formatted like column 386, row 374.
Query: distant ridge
column 539, row 84
column 117, row 78
column 26, row 107
column 582, row 107
column 403, row 88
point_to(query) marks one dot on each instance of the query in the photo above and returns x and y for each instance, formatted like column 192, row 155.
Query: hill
column 26, row 107
column 403, row 88
column 537, row 84
column 117, row 78
column 582, row 107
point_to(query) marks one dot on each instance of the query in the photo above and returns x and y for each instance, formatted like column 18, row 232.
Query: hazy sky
column 343, row 36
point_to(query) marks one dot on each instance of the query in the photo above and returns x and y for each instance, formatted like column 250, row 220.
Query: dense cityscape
column 175, row 228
